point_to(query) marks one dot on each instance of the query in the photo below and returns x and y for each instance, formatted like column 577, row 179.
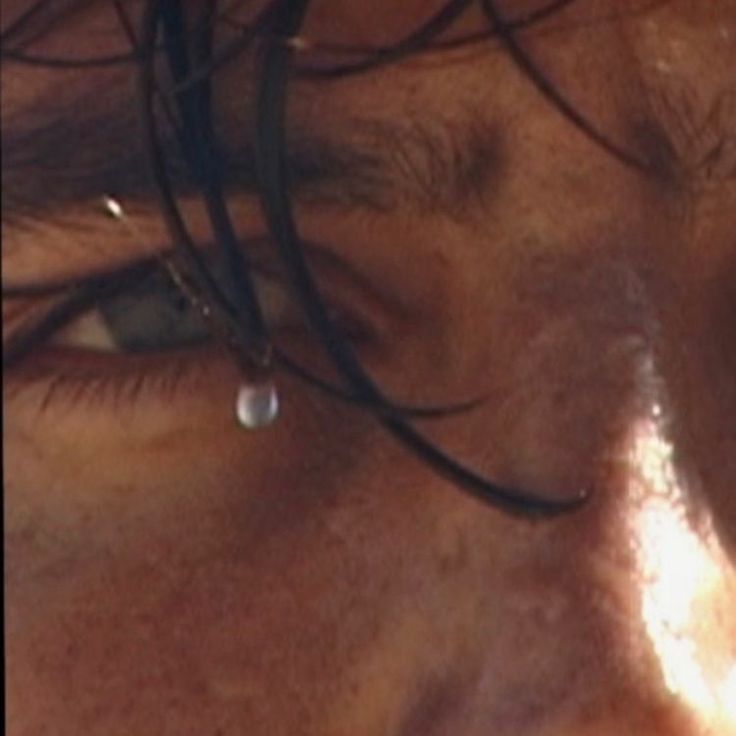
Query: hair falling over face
column 176, row 58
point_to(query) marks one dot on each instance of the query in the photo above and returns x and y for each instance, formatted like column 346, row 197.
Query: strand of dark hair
column 271, row 165
column 549, row 90
column 212, row 291
column 190, row 91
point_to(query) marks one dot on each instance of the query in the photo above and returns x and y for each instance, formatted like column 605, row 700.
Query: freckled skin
column 168, row 573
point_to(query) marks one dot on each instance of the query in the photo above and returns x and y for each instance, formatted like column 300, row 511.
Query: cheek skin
column 92, row 476
column 332, row 577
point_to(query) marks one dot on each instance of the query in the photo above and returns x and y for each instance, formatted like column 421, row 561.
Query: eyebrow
column 58, row 154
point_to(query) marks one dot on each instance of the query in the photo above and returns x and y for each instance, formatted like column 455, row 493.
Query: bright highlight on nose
column 682, row 570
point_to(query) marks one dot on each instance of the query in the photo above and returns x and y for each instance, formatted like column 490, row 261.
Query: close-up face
column 370, row 367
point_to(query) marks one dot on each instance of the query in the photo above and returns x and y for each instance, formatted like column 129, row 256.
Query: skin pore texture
column 170, row 573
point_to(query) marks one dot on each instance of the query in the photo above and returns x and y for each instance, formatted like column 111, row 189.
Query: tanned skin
column 168, row 572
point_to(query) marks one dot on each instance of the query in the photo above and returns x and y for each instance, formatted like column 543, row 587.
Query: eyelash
column 27, row 349
column 63, row 383
column 31, row 361
column 66, row 303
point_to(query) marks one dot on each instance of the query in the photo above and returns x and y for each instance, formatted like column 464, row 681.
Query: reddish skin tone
column 168, row 573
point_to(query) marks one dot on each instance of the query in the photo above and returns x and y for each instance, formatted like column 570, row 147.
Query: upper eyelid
column 78, row 243
column 84, row 240
column 57, row 287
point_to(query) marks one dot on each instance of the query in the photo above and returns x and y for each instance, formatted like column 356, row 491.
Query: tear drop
column 257, row 405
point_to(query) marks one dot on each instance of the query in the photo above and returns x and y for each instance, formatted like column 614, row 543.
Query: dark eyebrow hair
column 55, row 154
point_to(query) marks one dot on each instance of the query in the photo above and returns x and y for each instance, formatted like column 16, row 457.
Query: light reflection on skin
column 683, row 570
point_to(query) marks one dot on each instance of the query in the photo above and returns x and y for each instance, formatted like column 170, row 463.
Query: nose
column 682, row 582
column 656, row 604
column 666, row 525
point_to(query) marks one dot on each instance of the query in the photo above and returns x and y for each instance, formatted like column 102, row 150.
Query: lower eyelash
column 55, row 383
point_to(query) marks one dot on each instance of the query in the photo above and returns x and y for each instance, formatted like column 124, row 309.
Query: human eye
column 142, row 339
column 131, row 336
column 160, row 311
column 151, row 315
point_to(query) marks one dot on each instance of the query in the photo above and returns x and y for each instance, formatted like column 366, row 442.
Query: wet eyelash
column 116, row 391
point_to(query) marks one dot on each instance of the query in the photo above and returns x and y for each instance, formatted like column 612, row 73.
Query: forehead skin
column 168, row 573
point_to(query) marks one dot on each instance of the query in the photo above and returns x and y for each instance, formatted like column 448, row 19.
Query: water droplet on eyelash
column 257, row 405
